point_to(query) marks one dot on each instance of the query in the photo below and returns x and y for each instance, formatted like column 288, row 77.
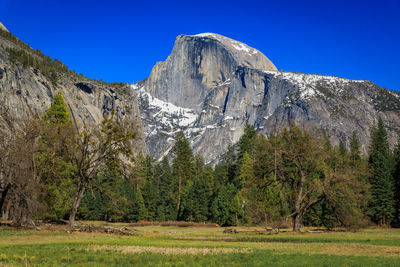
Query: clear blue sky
column 122, row 40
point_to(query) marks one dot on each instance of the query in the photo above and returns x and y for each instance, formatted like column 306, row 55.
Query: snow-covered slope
column 211, row 85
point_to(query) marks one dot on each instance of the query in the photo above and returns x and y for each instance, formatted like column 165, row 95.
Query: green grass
column 48, row 248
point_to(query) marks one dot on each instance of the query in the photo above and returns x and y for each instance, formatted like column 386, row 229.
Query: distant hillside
column 29, row 79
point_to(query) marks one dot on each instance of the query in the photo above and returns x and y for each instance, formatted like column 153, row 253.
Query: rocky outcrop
column 209, row 89
column 198, row 63
column 25, row 90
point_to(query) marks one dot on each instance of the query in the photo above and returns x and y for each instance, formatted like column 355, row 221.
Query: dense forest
column 51, row 171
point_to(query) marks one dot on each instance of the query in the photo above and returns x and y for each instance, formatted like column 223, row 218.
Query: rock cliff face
column 210, row 86
column 198, row 63
column 25, row 90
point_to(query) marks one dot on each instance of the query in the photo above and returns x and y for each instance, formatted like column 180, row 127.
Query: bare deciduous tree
column 19, row 182
column 91, row 151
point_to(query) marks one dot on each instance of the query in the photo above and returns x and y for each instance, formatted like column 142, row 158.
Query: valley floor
column 197, row 246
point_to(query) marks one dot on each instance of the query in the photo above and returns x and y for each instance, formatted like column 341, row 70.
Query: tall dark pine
column 381, row 205
column 167, row 197
column 342, row 148
column 182, row 165
column 150, row 190
column 396, row 176
column 245, row 143
column 355, row 148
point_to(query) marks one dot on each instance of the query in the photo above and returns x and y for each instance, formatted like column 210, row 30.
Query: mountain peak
column 2, row 27
column 244, row 54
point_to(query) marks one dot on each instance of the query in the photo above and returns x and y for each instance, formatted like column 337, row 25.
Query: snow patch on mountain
column 241, row 47
column 307, row 83
column 206, row 34
column 169, row 114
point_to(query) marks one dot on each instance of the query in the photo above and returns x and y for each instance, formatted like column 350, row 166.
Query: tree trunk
column 75, row 205
column 297, row 222
column 6, row 211
column 179, row 195
column 3, row 197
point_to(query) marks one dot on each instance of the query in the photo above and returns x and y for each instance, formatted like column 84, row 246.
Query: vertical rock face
column 25, row 90
column 198, row 63
column 210, row 86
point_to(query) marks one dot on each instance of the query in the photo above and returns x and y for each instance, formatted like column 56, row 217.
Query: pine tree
column 167, row 194
column 55, row 171
column 273, row 199
column 195, row 201
column 138, row 174
column 208, row 175
column 150, row 190
column 355, row 148
column 245, row 143
column 246, row 171
column 182, row 166
column 140, row 211
column 381, row 204
column 248, row 186
column 226, row 207
column 360, row 164
column 186, row 211
column 342, row 148
column 201, row 192
column 396, row 176
column 220, row 175
column 57, row 113
column 198, row 166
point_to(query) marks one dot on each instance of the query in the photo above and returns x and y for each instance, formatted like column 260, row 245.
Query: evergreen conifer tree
column 342, row 148
column 327, row 143
column 226, row 207
column 355, row 148
column 245, row 143
column 140, row 211
column 57, row 113
column 201, row 192
column 381, row 204
column 396, row 176
column 186, row 211
column 246, row 171
column 167, row 194
column 182, row 166
column 150, row 190
column 56, row 173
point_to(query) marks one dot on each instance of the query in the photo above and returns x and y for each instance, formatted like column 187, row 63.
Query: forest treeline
column 51, row 171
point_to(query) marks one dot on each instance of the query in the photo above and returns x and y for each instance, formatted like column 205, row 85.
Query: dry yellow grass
column 332, row 249
column 170, row 250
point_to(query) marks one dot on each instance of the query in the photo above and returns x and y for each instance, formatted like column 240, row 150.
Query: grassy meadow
column 198, row 246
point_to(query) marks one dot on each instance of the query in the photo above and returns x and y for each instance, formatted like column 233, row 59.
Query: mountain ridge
column 266, row 99
column 29, row 80
column 209, row 89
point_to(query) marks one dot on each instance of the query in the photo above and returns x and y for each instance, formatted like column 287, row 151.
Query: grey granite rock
column 198, row 63
column 25, row 90
column 209, row 89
